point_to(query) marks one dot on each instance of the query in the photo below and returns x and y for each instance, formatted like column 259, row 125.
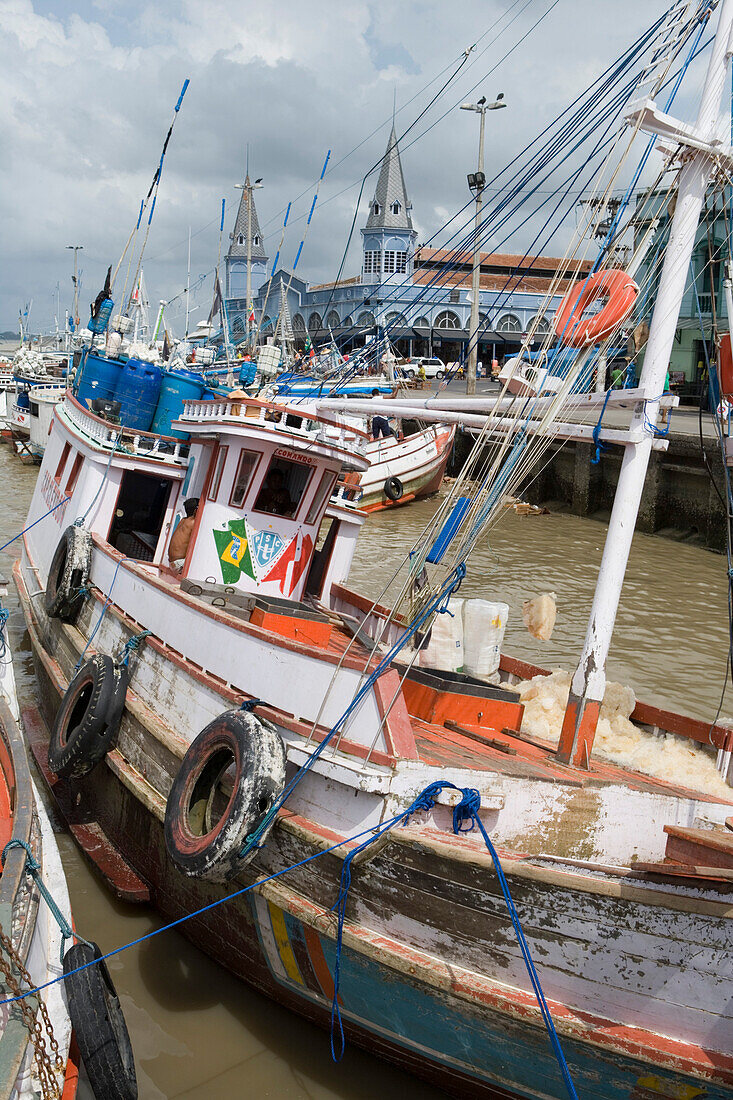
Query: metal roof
column 390, row 189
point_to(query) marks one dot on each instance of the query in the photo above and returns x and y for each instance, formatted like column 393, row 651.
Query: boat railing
column 347, row 495
column 163, row 448
column 276, row 418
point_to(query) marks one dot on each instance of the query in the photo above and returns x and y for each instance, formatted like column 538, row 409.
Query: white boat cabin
column 263, row 476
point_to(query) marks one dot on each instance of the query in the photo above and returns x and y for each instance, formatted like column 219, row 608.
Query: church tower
column 236, row 258
column 388, row 238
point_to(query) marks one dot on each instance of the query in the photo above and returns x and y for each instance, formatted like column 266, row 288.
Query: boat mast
column 700, row 149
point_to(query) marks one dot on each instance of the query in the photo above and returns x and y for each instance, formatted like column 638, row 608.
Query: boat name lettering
column 294, row 456
column 53, row 496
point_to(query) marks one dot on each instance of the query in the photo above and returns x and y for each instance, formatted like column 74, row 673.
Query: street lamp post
column 477, row 182
column 76, row 249
column 248, row 188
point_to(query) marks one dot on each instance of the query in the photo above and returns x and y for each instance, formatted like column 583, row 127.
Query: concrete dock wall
column 679, row 499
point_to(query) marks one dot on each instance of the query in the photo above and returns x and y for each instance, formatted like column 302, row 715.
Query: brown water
column 200, row 1035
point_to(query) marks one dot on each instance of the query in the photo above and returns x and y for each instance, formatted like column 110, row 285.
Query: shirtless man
column 182, row 535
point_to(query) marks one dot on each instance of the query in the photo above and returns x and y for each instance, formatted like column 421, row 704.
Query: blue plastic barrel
column 137, row 391
column 98, row 376
column 247, row 373
column 176, row 387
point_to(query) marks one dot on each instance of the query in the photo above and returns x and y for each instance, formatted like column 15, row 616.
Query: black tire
column 439, row 374
column 69, row 573
column 99, row 1025
column 410, row 374
column 87, row 722
column 252, row 753
column 393, row 488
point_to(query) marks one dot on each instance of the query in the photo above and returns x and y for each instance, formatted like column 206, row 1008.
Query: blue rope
column 465, row 819
column 33, row 868
column 438, row 606
column 107, row 602
column 82, row 519
column 131, row 646
column 597, row 433
column 4, row 616
column 35, row 521
column 198, row 912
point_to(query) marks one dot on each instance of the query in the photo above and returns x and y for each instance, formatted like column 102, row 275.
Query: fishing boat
column 238, row 736
column 37, row 1054
column 42, row 400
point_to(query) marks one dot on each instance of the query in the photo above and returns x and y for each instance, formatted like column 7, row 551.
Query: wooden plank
column 492, row 742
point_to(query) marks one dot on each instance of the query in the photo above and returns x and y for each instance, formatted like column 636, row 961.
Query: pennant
column 216, row 306
column 298, row 555
column 265, row 547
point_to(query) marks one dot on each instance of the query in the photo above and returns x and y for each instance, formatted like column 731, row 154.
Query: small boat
column 42, row 1061
column 42, row 400
column 403, row 469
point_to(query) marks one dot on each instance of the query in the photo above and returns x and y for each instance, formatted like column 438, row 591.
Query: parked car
column 434, row 368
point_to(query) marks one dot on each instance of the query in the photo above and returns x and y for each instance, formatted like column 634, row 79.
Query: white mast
column 700, row 148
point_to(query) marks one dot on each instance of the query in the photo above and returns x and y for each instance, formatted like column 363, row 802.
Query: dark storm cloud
column 88, row 90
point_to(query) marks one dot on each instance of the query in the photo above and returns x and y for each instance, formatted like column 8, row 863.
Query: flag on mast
column 216, row 307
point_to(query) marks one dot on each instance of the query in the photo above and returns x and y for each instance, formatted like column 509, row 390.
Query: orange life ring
column 574, row 330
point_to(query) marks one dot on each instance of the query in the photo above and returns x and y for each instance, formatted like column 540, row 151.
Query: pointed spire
column 390, row 208
column 238, row 247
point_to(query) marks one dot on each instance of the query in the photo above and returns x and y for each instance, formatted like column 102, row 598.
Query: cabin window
column 62, row 463
column 248, row 461
column 323, row 491
column 74, row 475
column 138, row 517
column 221, row 459
column 283, row 487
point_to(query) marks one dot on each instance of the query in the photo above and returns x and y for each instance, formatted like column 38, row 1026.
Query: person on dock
column 182, row 535
column 381, row 426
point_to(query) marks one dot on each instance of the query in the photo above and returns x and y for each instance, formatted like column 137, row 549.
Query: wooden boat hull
column 431, row 974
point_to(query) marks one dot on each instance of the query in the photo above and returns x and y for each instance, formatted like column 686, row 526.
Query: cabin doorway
column 139, row 514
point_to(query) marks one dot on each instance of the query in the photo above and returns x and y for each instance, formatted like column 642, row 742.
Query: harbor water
column 198, row 1033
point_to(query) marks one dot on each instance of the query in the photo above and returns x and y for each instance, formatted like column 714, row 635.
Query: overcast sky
column 88, row 89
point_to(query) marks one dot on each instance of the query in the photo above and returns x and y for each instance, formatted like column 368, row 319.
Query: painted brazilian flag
column 232, row 547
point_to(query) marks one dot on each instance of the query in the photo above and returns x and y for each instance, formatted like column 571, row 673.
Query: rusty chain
column 48, row 1066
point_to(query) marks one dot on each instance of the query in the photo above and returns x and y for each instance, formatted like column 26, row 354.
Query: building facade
column 703, row 306
column 422, row 296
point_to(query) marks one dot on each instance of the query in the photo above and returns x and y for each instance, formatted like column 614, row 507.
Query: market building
column 421, row 295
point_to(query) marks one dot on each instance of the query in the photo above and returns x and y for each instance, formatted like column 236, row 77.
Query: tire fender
column 99, row 1024
column 393, row 488
column 206, row 829
column 87, row 722
column 68, row 574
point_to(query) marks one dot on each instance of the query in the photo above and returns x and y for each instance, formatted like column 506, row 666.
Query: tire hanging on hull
column 99, row 1024
column 393, row 488
column 87, row 722
column 229, row 779
column 69, row 575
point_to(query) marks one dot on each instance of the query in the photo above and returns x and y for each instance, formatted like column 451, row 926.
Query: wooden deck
column 473, row 749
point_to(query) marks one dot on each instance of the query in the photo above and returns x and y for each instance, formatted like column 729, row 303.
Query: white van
column 434, row 368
